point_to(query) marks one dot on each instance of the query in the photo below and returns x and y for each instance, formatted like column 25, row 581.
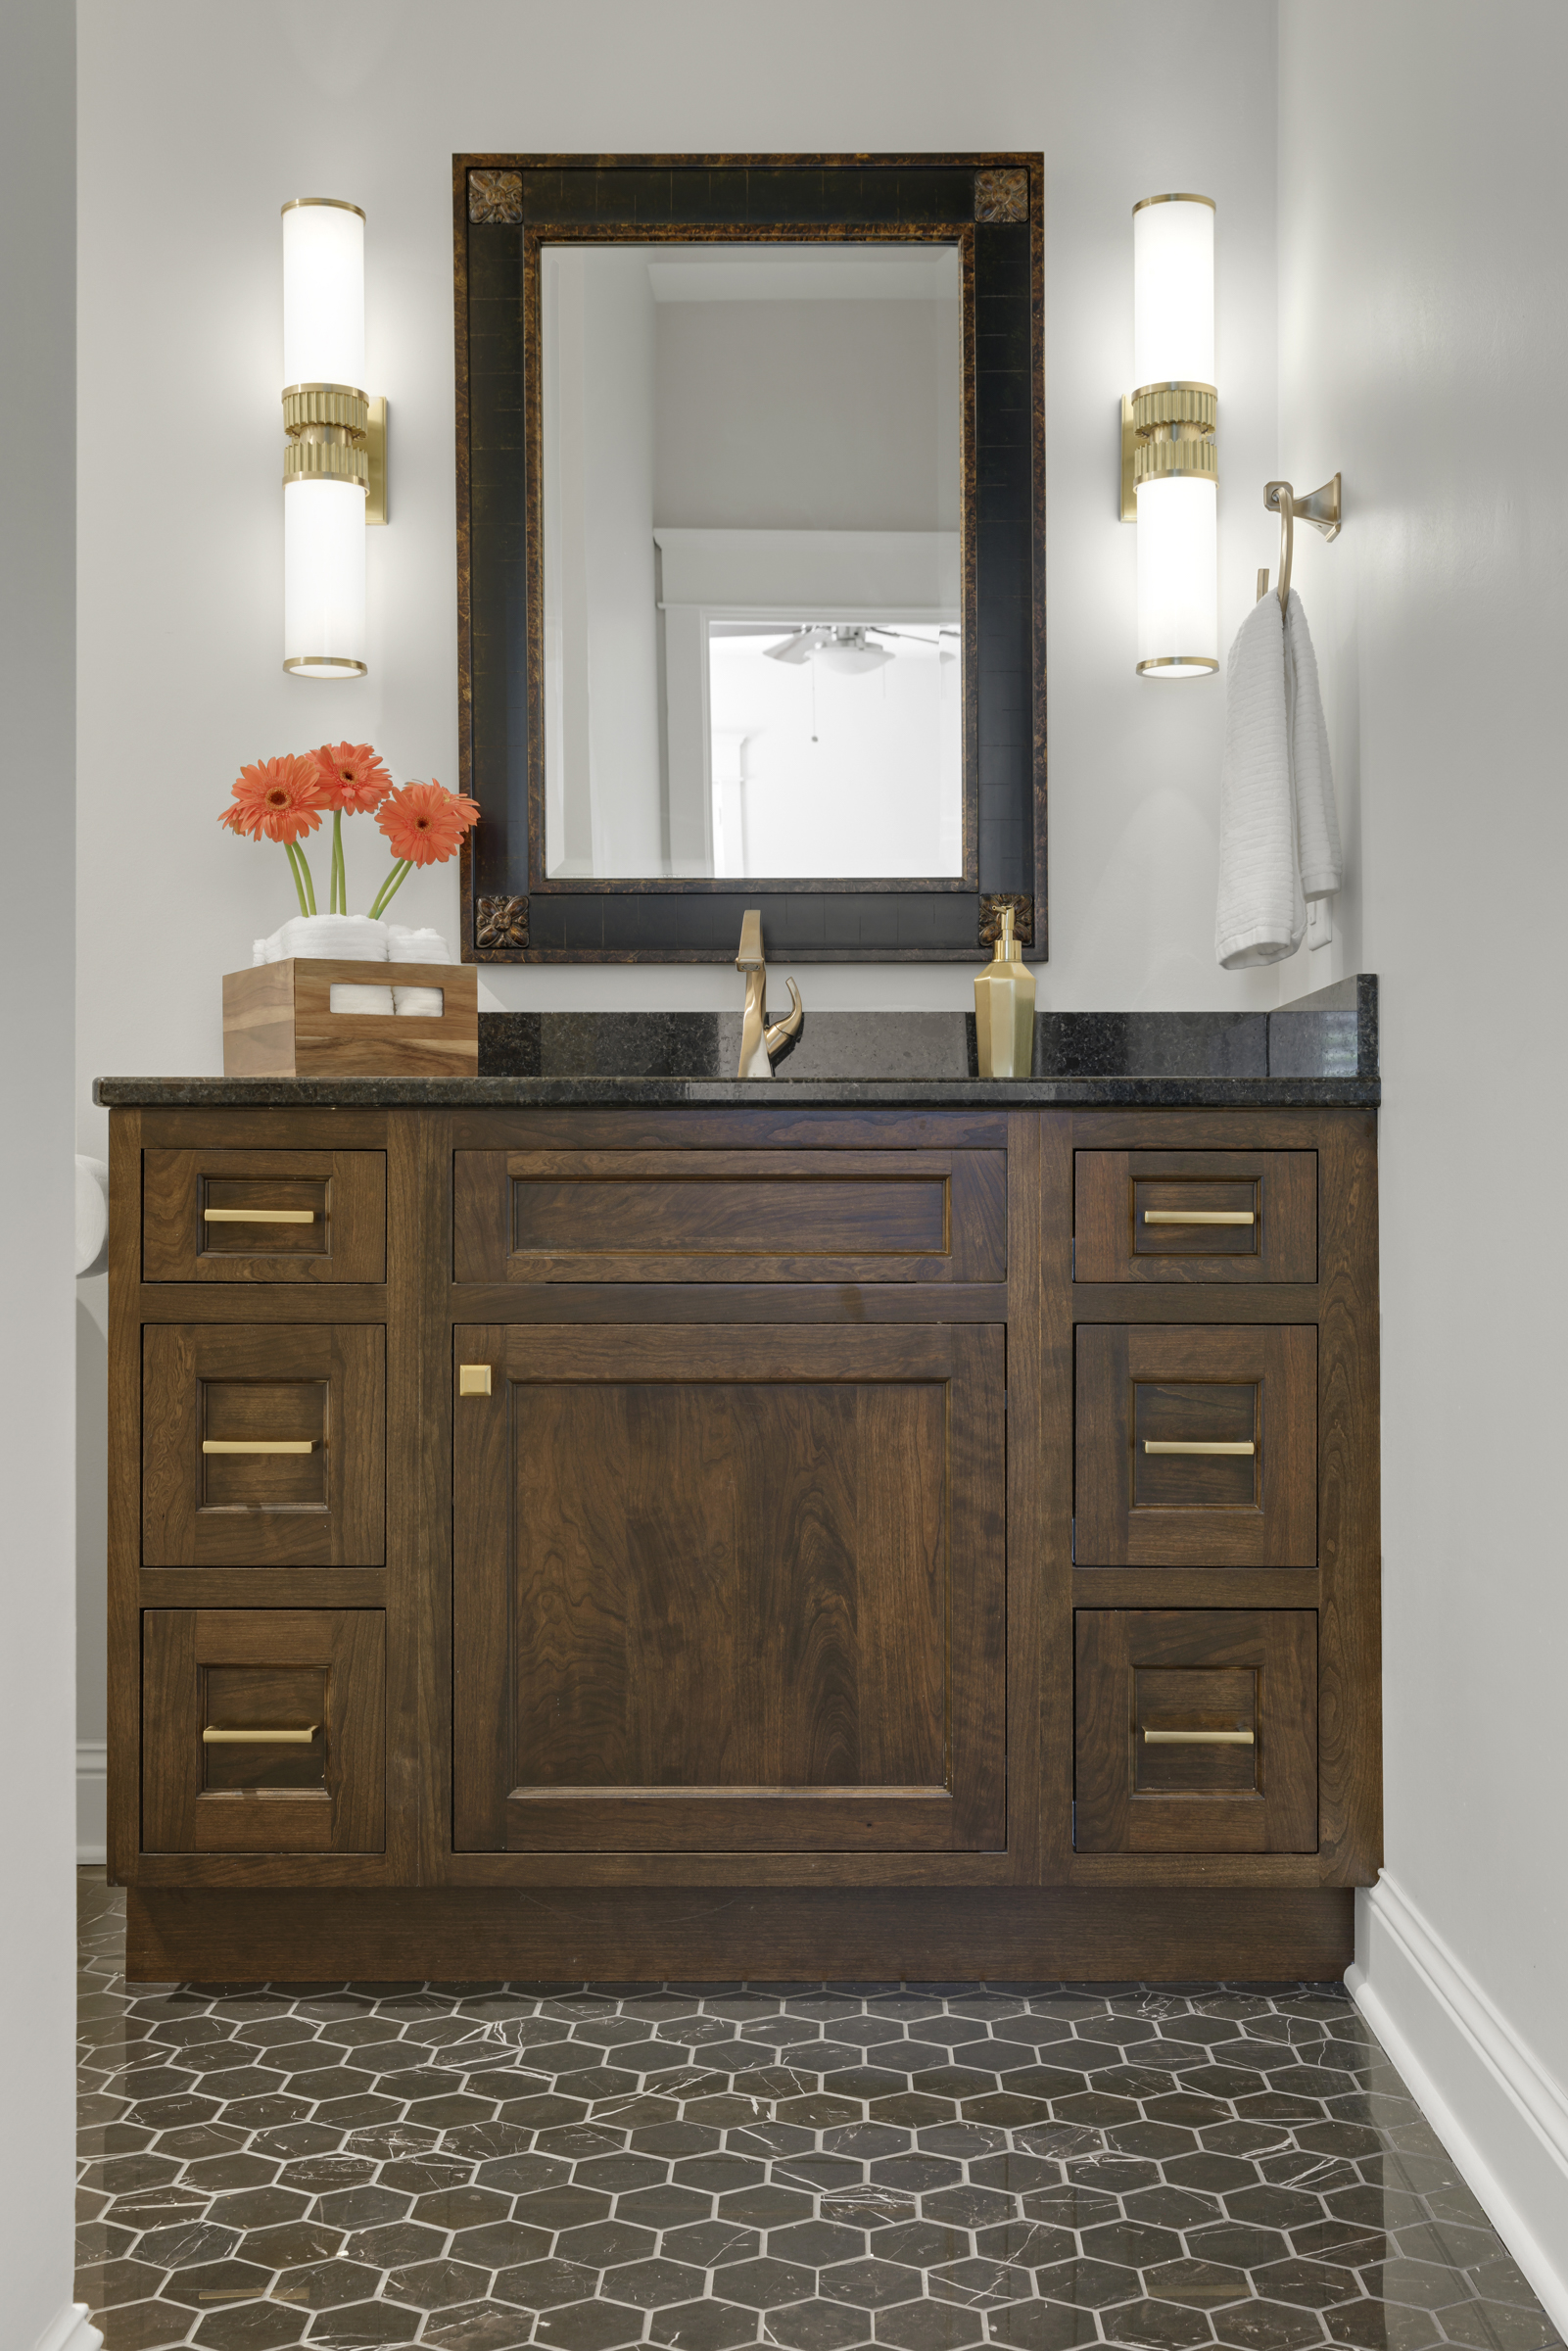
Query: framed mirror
column 751, row 555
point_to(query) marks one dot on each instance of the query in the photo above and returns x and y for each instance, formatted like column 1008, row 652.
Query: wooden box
column 278, row 1021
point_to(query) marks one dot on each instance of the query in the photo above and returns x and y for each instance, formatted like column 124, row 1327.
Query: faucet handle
column 749, row 958
column 783, row 1031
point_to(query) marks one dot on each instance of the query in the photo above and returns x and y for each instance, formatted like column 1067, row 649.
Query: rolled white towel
column 343, row 998
column 92, row 1216
column 418, row 946
column 340, row 938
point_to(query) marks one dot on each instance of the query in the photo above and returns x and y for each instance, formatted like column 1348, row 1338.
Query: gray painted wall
column 37, row 1415
column 1420, row 316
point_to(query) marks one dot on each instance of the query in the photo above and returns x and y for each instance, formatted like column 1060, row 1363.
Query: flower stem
column 309, row 885
column 340, row 879
column 294, row 872
column 391, row 887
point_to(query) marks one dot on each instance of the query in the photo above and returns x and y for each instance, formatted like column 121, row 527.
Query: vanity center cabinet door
column 719, row 1590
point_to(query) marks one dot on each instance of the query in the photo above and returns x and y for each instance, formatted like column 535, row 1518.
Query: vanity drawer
column 1196, row 1731
column 262, row 1730
column 263, row 1216
column 731, row 1216
column 262, row 1446
column 1196, row 1447
column 1195, row 1216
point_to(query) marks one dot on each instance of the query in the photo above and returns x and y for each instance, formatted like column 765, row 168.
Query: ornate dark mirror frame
column 504, row 206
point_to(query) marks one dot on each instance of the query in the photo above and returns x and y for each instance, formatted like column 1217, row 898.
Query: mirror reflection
column 751, row 488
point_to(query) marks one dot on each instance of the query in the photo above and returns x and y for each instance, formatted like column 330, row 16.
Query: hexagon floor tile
column 900, row 2167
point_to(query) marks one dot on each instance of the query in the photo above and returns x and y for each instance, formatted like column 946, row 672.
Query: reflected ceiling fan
column 843, row 648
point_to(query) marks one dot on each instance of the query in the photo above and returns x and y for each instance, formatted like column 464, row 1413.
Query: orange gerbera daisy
column 352, row 776
column 276, row 799
column 425, row 822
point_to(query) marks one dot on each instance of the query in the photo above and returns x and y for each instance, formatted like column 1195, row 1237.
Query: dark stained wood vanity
column 760, row 1536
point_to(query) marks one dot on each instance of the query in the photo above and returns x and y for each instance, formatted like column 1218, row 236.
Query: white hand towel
column 1279, row 841
column 1317, row 823
column 418, row 946
column 337, row 939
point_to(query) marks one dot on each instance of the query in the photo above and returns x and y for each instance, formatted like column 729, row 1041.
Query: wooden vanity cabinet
column 781, row 1539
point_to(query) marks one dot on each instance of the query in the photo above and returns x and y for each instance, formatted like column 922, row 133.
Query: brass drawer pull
column 260, row 1216
column 1198, row 1215
column 211, row 1738
column 1198, row 1739
column 473, row 1379
column 1172, row 1445
column 257, row 1443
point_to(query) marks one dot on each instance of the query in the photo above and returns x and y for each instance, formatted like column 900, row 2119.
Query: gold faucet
column 759, row 1042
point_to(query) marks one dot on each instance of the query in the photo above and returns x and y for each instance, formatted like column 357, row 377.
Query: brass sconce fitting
column 1167, row 429
column 336, row 434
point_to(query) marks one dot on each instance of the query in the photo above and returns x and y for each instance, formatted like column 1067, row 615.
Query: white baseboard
column 72, row 2329
column 92, row 1803
column 1498, row 2112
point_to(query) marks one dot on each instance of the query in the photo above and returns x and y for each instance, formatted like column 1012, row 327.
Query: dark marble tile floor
column 918, row 2167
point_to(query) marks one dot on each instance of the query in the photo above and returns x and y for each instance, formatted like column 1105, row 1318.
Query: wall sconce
column 334, row 467
column 1168, row 475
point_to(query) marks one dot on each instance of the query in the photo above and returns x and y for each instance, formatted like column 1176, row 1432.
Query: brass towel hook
column 1320, row 507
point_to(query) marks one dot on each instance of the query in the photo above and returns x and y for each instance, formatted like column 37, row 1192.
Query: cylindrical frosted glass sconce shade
column 325, row 412
column 323, row 579
column 1173, row 291
column 323, row 293
column 1178, row 629
column 1173, row 411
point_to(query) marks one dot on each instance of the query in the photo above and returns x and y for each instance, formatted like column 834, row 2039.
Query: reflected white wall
column 603, row 687
column 808, row 415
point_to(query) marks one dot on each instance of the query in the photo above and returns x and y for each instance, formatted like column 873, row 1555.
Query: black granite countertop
column 881, row 1093
column 1320, row 1051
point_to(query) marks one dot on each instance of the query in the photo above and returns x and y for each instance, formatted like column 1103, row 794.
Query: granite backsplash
column 1332, row 1032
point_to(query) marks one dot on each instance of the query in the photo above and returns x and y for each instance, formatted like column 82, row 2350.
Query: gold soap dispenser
column 1004, row 1009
